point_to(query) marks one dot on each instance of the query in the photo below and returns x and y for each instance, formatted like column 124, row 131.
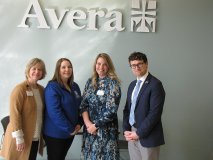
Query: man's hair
column 138, row 56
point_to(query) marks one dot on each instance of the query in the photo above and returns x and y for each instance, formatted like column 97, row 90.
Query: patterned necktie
column 134, row 99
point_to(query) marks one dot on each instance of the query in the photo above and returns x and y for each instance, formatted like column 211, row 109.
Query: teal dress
column 102, row 106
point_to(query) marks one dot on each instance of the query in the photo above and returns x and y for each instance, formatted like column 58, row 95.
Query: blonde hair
column 32, row 63
column 57, row 77
column 111, row 69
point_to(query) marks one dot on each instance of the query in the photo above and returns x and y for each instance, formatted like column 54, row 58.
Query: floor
column 75, row 151
column 124, row 155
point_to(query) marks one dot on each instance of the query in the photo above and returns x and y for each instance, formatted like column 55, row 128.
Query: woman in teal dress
column 101, row 98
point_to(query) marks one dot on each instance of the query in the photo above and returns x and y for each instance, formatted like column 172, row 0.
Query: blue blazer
column 148, row 111
column 62, row 110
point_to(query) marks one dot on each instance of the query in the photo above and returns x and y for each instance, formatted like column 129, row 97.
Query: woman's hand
column 20, row 147
column 92, row 129
column 90, row 126
column 77, row 128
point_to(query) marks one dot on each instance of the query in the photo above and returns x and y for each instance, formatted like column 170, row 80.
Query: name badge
column 100, row 92
column 29, row 93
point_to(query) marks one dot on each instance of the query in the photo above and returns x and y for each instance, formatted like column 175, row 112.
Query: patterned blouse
column 102, row 105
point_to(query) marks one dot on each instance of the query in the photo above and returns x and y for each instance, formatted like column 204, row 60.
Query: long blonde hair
column 111, row 69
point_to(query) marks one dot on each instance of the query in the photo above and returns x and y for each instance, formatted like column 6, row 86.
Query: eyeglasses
column 139, row 65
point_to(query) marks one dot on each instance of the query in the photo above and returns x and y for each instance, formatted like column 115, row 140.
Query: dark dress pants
column 57, row 148
column 34, row 150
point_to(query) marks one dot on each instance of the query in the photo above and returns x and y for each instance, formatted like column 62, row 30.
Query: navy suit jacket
column 148, row 111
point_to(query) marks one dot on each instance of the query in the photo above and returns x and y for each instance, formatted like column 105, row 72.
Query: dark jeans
column 57, row 148
column 34, row 150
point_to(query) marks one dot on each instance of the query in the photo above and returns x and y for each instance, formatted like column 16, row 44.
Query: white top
column 40, row 106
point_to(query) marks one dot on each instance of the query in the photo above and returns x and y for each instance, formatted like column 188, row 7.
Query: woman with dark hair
column 62, row 120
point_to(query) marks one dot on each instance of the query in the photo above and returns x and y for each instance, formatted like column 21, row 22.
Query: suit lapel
column 131, row 90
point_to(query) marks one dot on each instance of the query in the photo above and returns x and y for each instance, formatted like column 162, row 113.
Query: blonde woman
column 99, row 107
column 23, row 135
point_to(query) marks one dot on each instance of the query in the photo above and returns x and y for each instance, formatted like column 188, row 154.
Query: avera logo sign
column 143, row 17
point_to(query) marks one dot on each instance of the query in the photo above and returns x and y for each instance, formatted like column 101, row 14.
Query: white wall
column 179, row 53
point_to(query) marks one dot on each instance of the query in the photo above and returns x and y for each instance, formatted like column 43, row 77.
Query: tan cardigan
column 22, row 117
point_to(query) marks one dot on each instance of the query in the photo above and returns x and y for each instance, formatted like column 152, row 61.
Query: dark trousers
column 57, row 148
column 33, row 150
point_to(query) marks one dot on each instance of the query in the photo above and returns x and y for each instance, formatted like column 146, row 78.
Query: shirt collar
column 143, row 78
